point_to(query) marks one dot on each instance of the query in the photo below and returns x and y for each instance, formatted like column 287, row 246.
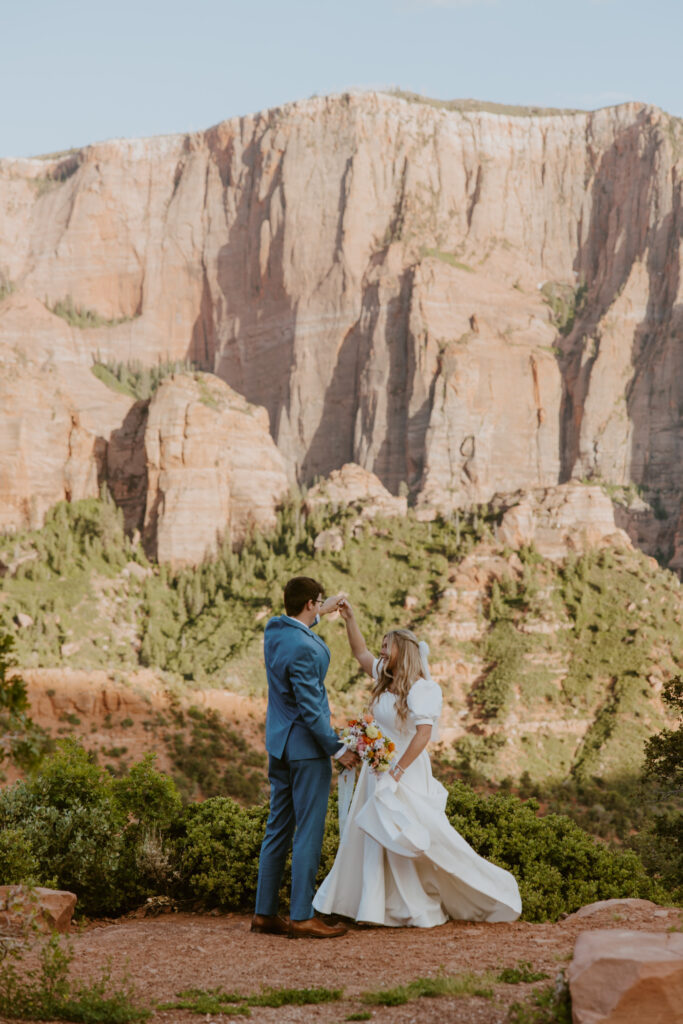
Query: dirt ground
column 166, row 954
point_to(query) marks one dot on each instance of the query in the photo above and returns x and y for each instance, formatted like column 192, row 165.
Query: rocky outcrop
column 559, row 520
column 213, row 469
column 195, row 464
column 352, row 485
column 467, row 302
column 626, row 977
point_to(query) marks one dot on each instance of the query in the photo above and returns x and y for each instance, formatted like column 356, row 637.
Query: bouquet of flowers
column 364, row 736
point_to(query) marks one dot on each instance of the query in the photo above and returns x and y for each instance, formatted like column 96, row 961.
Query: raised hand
column 345, row 610
column 331, row 604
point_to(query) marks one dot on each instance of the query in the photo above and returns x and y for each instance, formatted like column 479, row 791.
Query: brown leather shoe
column 314, row 928
column 274, row 925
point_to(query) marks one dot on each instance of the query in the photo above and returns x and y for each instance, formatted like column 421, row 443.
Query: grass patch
column 216, row 1000
column 446, row 257
column 208, row 1001
column 552, row 1005
column 469, row 983
column 81, row 317
column 48, row 992
column 523, row 973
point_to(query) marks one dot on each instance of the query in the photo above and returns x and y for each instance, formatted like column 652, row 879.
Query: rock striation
column 463, row 301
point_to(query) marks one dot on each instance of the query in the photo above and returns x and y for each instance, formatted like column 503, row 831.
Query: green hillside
column 569, row 660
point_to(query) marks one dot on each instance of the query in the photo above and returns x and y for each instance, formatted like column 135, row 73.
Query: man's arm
column 357, row 644
column 303, row 676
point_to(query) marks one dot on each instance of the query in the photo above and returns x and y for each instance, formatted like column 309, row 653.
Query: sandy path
column 166, row 954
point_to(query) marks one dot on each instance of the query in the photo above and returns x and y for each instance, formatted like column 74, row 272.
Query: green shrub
column 219, row 852
column 104, row 839
column 80, row 316
column 135, row 379
column 21, row 740
column 558, row 866
column 215, row 759
column 17, row 861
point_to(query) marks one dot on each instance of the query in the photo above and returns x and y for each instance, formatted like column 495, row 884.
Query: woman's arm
column 413, row 750
column 355, row 637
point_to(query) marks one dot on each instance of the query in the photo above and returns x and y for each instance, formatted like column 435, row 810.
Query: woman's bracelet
column 397, row 768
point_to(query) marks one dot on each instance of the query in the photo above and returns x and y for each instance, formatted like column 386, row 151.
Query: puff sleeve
column 424, row 704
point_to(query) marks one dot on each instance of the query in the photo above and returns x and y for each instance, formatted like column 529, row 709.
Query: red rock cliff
column 465, row 301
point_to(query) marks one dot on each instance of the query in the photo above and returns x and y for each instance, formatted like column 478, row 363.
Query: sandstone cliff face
column 192, row 466
column 213, row 469
column 369, row 271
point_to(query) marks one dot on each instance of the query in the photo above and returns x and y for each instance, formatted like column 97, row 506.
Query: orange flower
column 367, row 717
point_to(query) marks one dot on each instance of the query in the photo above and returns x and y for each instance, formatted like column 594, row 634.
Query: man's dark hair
column 299, row 591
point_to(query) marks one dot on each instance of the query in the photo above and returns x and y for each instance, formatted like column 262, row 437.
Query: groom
column 300, row 742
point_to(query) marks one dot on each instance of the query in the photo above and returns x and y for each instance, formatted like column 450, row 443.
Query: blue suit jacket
column 298, row 716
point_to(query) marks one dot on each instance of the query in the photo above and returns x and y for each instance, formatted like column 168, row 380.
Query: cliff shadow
column 124, row 467
column 246, row 330
column 620, row 207
column 654, row 399
column 625, row 229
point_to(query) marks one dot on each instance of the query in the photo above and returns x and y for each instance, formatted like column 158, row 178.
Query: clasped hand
column 349, row 759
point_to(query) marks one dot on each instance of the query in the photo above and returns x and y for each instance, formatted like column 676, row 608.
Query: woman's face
column 387, row 650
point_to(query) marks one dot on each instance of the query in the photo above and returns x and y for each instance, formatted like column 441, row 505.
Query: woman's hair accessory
column 423, row 648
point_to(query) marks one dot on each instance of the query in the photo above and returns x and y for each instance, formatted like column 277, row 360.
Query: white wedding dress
column 399, row 860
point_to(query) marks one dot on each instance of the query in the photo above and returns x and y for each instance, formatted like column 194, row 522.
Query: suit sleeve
column 303, row 675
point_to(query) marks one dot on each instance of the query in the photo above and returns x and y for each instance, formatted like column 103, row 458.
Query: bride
column 399, row 861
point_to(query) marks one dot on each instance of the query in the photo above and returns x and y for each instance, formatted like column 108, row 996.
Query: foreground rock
column 23, row 909
column 627, row 977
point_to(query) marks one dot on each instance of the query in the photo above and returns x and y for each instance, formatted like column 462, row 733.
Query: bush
column 558, row 866
column 81, row 830
column 117, row 841
column 219, row 852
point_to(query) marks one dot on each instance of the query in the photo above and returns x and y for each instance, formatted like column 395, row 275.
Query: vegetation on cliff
column 582, row 649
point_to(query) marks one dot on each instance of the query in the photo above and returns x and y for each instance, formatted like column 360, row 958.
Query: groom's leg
column 277, row 839
column 310, row 793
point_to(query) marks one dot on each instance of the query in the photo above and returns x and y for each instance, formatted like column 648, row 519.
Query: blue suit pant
column 299, row 792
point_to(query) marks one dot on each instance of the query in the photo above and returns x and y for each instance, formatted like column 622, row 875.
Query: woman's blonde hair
column 406, row 668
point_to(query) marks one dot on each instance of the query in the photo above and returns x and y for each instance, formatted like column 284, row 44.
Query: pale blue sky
column 74, row 72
